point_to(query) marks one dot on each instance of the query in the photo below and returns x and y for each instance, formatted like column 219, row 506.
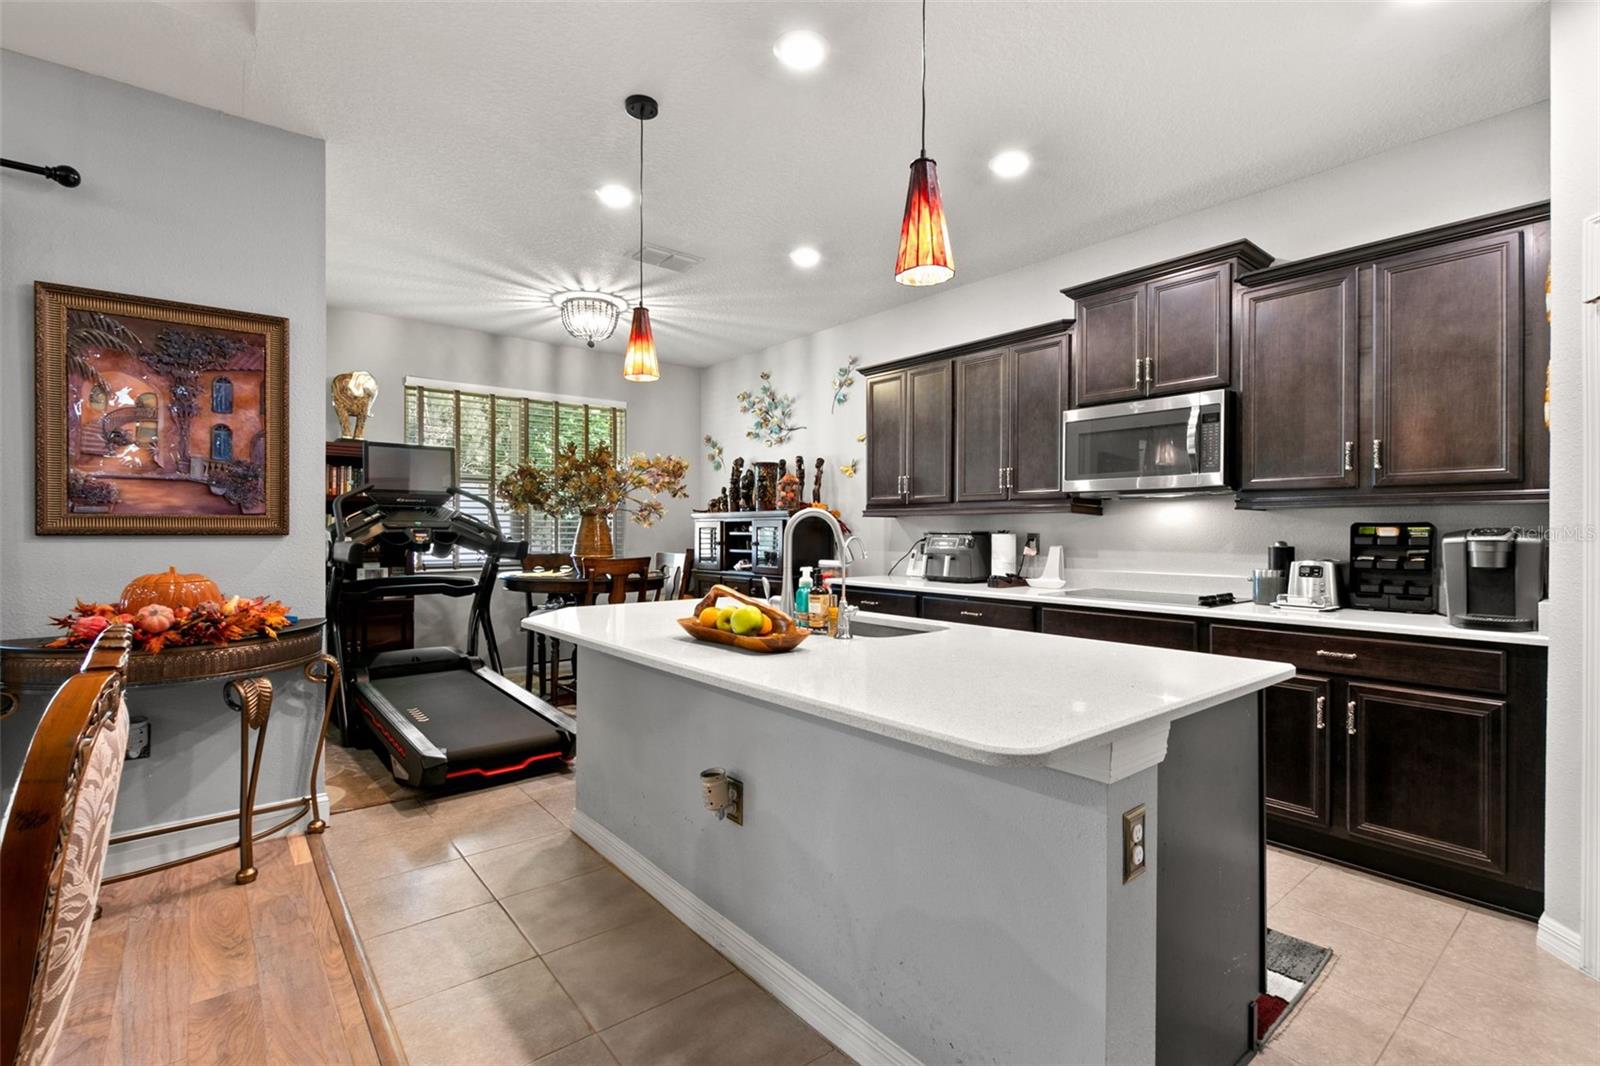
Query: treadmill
column 441, row 716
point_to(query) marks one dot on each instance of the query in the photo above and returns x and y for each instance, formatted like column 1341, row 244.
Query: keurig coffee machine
column 1493, row 578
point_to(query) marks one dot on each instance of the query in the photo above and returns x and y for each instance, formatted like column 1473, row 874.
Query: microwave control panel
column 1209, row 445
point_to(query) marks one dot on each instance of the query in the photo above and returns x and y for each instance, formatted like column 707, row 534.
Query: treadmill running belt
column 468, row 717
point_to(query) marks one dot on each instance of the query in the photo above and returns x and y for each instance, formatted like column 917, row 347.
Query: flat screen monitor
column 408, row 469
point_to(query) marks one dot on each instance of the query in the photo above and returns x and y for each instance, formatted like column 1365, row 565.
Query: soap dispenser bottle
column 802, row 597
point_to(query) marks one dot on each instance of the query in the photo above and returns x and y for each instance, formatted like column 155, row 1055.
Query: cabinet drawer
column 1154, row 631
column 1479, row 669
column 883, row 602
column 978, row 612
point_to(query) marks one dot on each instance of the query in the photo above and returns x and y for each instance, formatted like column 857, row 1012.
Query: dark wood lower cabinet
column 978, row 612
column 901, row 603
column 1295, row 730
column 1150, row 630
column 1426, row 773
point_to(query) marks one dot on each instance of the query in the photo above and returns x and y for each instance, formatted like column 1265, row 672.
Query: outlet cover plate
column 1135, row 844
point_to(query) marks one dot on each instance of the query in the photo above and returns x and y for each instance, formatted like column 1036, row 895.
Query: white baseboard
column 1565, row 944
column 847, row 1030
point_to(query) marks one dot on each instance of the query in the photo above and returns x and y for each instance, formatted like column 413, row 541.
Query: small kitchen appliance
column 1313, row 586
column 1267, row 584
column 1493, row 578
column 958, row 557
column 1166, row 444
column 1392, row 566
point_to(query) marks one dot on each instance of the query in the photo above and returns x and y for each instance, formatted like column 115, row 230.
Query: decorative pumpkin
column 170, row 589
column 155, row 618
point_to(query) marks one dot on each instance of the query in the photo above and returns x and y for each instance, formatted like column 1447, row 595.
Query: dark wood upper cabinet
column 1160, row 329
column 1447, row 364
column 929, row 414
column 965, row 428
column 1427, row 773
column 1109, row 361
column 983, row 426
column 1298, row 384
column 1295, row 718
column 1039, row 372
column 1445, row 334
column 886, row 439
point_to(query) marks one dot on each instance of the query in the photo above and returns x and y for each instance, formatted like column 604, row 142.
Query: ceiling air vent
column 657, row 256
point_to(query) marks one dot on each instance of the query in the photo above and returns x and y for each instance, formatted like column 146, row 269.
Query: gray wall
column 663, row 416
column 181, row 203
column 186, row 204
column 1574, row 195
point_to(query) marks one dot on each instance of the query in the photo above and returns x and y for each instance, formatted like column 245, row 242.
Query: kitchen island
column 931, row 862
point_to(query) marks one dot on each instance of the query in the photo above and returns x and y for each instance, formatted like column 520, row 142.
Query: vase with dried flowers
column 596, row 486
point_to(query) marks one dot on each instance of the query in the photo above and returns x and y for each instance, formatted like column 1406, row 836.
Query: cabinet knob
column 1322, row 706
column 1350, row 718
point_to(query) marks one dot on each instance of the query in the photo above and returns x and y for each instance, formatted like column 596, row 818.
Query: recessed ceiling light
column 801, row 50
column 615, row 196
column 805, row 257
column 1012, row 163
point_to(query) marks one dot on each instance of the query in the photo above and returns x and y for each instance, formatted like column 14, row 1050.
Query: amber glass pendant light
column 640, row 363
column 925, row 257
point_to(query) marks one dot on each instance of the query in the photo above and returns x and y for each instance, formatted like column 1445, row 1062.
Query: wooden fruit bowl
column 785, row 635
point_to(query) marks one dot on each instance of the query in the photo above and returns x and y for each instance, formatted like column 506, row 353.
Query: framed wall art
column 158, row 417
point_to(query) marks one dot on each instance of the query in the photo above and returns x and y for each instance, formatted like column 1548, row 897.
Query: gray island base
column 933, row 872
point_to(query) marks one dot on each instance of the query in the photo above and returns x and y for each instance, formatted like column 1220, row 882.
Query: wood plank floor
column 184, row 966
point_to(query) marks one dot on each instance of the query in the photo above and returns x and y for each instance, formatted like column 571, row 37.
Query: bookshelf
column 385, row 625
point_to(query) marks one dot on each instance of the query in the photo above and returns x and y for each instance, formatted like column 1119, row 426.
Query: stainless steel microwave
column 1167, row 444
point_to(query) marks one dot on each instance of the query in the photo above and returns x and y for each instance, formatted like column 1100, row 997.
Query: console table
column 242, row 668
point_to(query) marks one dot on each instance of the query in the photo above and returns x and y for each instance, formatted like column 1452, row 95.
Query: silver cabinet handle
column 1377, row 454
column 1000, row 477
column 1138, row 374
column 1010, row 476
column 1350, row 718
column 1349, row 456
column 1322, row 705
column 1149, row 374
column 970, row 614
column 1342, row 656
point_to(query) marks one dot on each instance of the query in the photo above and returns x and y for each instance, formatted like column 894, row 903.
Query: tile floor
column 496, row 935
column 1419, row 979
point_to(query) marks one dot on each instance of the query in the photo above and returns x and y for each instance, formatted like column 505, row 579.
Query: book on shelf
column 341, row 479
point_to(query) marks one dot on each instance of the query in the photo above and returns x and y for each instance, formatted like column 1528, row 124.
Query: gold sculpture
column 354, row 393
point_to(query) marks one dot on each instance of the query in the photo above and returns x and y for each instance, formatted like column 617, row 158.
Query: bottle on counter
column 802, row 598
column 820, row 601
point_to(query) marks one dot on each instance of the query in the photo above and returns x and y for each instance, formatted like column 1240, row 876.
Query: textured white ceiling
column 465, row 139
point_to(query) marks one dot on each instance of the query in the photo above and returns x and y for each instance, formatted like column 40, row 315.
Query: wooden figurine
column 734, row 481
column 816, row 487
column 747, row 491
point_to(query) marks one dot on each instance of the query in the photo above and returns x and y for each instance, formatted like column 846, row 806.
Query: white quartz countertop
column 1350, row 619
column 991, row 696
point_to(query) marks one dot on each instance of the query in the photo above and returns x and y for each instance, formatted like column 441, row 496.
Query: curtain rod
column 61, row 175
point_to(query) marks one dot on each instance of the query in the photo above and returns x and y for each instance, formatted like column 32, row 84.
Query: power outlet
column 1133, row 843
column 735, row 800
column 138, row 738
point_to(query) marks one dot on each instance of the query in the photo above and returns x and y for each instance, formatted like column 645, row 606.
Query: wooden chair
column 54, row 847
column 536, row 644
column 674, row 567
column 610, row 576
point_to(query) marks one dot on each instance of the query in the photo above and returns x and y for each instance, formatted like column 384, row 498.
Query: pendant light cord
column 924, row 79
column 641, row 211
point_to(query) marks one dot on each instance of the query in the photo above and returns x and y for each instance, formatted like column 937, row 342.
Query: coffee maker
column 1493, row 578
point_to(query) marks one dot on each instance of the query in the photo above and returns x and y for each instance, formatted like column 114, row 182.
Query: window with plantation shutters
column 492, row 430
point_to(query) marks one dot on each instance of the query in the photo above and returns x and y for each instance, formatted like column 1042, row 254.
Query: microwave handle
column 1192, row 440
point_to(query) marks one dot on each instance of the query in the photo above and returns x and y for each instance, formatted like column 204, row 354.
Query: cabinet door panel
column 1189, row 316
column 1298, row 387
column 1152, row 631
column 1039, row 372
column 983, row 426
column 928, row 446
column 882, row 601
column 1110, row 333
column 886, row 438
column 1426, row 773
column 978, row 612
column 708, row 545
column 1294, row 725
column 1447, row 363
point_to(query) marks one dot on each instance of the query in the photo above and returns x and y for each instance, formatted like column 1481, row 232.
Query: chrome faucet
column 847, row 554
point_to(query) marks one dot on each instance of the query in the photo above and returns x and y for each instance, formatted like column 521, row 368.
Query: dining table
column 561, row 587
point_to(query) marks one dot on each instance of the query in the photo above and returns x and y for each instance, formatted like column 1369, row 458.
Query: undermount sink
column 879, row 628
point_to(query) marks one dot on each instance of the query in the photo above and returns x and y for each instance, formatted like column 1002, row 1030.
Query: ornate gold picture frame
column 158, row 417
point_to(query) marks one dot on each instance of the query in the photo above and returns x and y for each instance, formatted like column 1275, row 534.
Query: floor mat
column 1292, row 964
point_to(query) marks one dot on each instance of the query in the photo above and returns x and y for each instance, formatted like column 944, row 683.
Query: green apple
column 747, row 619
column 725, row 618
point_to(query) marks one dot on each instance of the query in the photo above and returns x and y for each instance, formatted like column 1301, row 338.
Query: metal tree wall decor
column 843, row 378
column 773, row 413
column 714, row 451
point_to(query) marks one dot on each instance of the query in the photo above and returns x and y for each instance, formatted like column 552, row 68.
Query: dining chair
column 611, row 577
column 54, row 848
column 673, row 567
column 537, row 644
